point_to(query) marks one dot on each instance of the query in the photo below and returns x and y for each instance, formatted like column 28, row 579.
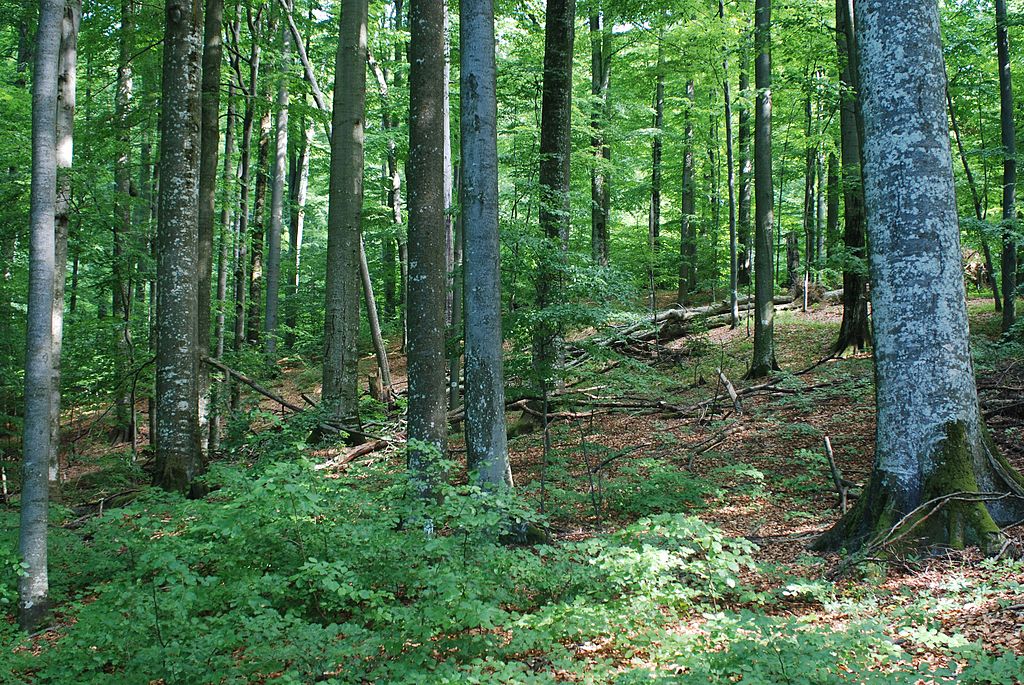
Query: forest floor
column 654, row 434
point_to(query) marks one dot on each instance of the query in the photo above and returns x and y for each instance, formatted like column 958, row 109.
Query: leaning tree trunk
column 486, row 437
column 428, row 421
column 764, row 195
column 270, row 321
column 67, row 80
column 854, row 332
column 177, row 410
column 931, row 442
column 344, row 219
column 33, row 583
column 208, row 154
column 1009, row 139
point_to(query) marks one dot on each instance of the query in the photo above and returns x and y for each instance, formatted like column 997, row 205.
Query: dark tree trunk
column 764, row 279
column 428, row 422
column 600, row 82
column 1009, row 140
column 257, row 234
column 688, row 236
column 654, row 215
column 731, row 176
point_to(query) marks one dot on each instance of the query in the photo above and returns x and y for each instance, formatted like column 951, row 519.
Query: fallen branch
column 352, row 454
column 223, row 368
column 731, row 390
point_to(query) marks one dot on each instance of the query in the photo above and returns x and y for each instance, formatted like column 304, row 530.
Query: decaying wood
column 731, row 390
column 353, row 454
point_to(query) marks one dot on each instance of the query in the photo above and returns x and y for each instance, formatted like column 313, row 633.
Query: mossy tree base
column 945, row 509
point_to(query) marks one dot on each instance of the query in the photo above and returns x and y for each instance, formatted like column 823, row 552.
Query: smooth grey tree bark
column 931, row 442
column 1008, row 129
column 428, row 422
column 373, row 318
column 854, row 331
column 209, row 143
column 296, row 232
column 270, row 321
column 746, row 162
column 258, row 229
column 486, row 434
column 33, row 584
column 688, row 236
column 65, row 141
column 731, row 176
column 177, row 408
column 764, row 195
column 344, row 218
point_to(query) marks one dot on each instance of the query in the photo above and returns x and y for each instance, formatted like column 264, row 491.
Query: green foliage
column 650, row 486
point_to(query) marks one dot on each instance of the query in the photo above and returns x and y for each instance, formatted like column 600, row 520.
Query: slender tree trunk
column 1009, row 140
column 654, row 215
column 65, row 132
column 124, row 429
column 177, row 410
column 555, row 153
column 931, row 441
column 810, row 157
column 379, row 348
column 731, row 175
column 426, row 359
column 854, row 332
column 456, row 327
column 33, row 583
column 208, row 157
column 277, row 201
column 688, row 237
column 486, row 438
column 832, row 209
column 745, row 176
column 764, row 280
column 296, row 232
column 344, row 219
column 257, row 233
column 600, row 71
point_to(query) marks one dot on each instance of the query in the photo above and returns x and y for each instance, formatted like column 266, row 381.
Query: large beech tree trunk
column 854, row 333
column 486, row 436
column 428, row 420
column 177, row 410
column 344, row 218
column 931, row 442
column 270, row 321
column 33, row 583
column 764, row 195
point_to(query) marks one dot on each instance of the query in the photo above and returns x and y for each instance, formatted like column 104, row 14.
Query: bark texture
column 1009, row 140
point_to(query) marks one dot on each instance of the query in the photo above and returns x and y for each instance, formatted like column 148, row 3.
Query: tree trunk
column 277, row 201
column 456, row 327
column 854, row 332
column 810, row 159
column 65, row 132
column 764, row 275
column 555, row 154
column 746, row 173
column 33, row 583
column 654, row 215
column 687, row 235
column 379, row 348
column 208, row 157
column 177, row 411
column 486, row 438
column 731, row 175
column 344, row 219
column 428, row 421
column 295, row 234
column 257, row 233
column 124, row 428
column 600, row 72
column 1009, row 140
column 931, row 442
column 832, row 206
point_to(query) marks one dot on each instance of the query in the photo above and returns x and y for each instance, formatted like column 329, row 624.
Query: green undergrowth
column 281, row 575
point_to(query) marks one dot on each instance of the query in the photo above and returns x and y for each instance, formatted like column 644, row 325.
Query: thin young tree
column 600, row 85
column 764, row 195
column 428, row 421
column 854, row 333
column 276, row 229
column 731, row 176
column 344, row 218
column 936, row 470
column 33, row 584
column 687, row 234
column 1008, row 129
column 177, row 409
column 746, row 170
column 486, row 436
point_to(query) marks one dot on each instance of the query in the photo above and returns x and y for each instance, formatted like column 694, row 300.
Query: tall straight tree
column 854, row 333
column 600, row 84
column 731, row 175
column 555, row 156
column 276, row 228
column 209, row 143
column 428, row 421
column 743, row 200
column 1009, row 139
column 177, row 409
column 657, row 147
column 687, row 235
column 66, row 97
column 344, row 218
column 486, row 437
column 764, row 195
column 932, row 445
column 33, row 584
